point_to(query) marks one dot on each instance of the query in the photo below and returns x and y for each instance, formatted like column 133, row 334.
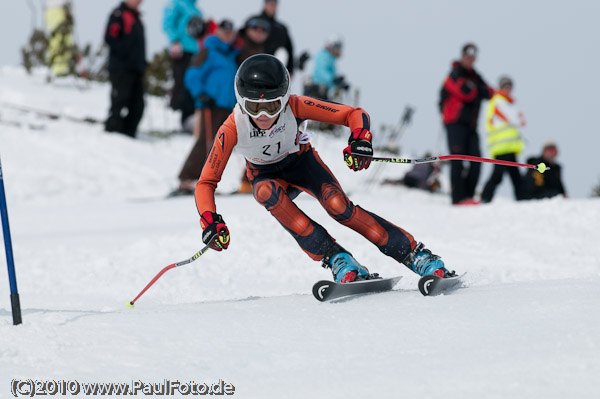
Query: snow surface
column 89, row 232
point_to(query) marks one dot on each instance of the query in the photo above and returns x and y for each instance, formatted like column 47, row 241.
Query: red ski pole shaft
column 541, row 167
column 164, row 270
column 495, row 161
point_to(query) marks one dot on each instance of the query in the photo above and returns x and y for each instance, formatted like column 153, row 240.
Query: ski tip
column 426, row 283
column 320, row 289
column 430, row 285
column 130, row 304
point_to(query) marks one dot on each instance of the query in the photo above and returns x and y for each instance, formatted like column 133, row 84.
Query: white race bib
column 266, row 146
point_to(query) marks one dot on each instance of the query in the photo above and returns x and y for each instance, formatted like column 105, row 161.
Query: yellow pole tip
column 541, row 167
column 130, row 305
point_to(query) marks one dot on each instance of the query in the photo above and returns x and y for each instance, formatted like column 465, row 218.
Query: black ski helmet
column 262, row 78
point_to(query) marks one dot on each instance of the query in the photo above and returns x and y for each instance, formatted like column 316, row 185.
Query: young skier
column 264, row 127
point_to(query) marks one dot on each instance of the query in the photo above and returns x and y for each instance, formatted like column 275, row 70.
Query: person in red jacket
column 281, row 163
column 460, row 99
column 126, row 67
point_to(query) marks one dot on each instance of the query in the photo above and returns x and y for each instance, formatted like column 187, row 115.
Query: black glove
column 359, row 152
column 215, row 232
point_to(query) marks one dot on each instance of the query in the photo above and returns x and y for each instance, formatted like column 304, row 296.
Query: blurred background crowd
column 197, row 69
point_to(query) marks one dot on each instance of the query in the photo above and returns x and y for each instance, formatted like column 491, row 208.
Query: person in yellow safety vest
column 504, row 141
column 59, row 22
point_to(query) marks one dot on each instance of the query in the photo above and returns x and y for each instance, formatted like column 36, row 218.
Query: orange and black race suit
column 280, row 166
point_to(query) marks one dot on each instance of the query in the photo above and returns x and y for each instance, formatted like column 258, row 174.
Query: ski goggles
column 270, row 108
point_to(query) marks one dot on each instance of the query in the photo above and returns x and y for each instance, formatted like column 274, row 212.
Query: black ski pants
column 463, row 140
column 126, row 101
column 496, row 178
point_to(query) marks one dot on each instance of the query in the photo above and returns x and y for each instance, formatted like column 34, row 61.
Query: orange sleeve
column 324, row 111
column 214, row 166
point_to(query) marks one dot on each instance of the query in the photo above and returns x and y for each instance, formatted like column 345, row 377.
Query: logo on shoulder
column 221, row 139
column 321, row 106
column 326, row 108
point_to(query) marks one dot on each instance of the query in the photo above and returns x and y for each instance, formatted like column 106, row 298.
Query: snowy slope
column 88, row 235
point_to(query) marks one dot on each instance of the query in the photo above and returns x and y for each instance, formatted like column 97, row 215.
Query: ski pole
column 541, row 167
column 10, row 261
column 130, row 304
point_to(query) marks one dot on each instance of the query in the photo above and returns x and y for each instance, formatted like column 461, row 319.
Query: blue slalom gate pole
column 10, row 263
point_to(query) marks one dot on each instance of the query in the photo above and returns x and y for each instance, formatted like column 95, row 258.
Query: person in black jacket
column 252, row 37
column 126, row 66
column 548, row 184
column 278, row 41
column 460, row 99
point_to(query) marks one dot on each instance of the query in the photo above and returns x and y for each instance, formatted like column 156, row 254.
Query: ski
column 325, row 290
column 431, row 285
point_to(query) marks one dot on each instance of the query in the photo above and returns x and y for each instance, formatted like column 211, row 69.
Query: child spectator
column 210, row 82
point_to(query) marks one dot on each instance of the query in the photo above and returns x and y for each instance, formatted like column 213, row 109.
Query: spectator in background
column 126, row 66
column 325, row 79
column 253, row 36
column 209, row 80
column 548, row 184
column 278, row 42
column 504, row 141
column 460, row 99
column 61, row 47
column 179, row 19
column 422, row 175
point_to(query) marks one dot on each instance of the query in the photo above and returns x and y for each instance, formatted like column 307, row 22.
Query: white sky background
column 398, row 53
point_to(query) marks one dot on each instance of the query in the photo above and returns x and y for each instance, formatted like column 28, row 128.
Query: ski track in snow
column 89, row 232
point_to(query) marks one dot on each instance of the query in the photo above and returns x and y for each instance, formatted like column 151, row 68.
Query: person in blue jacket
column 325, row 78
column 180, row 22
column 210, row 81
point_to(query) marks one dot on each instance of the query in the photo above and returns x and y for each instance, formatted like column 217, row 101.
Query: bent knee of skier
column 337, row 205
column 272, row 195
column 268, row 193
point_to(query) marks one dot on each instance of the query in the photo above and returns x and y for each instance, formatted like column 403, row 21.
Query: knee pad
column 336, row 203
column 267, row 193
